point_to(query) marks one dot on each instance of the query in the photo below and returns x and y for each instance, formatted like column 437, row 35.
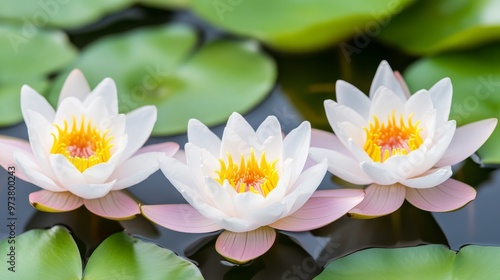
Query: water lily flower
column 84, row 153
column 402, row 145
column 248, row 183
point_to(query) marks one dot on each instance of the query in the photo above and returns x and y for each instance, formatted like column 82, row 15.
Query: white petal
column 385, row 77
column 138, row 127
column 252, row 207
column 340, row 165
column 107, row 91
column 441, row 94
column 337, row 114
column 32, row 171
column 41, row 140
column 376, row 172
column 237, row 123
column 177, row 173
column 270, row 127
column 69, row 108
column 466, row 141
column 201, row 136
column 65, row 172
column 418, row 104
column 91, row 191
column 384, row 103
column 327, row 140
column 296, row 146
column 98, row 173
column 75, row 85
column 135, row 170
column 429, row 179
column 352, row 97
column 97, row 112
column 33, row 101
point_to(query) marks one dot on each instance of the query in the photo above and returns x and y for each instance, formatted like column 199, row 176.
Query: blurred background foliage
column 208, row 58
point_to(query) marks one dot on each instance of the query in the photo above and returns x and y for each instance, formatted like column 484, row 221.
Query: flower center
column 249, row 175
column 392, row 138
column 84, row 145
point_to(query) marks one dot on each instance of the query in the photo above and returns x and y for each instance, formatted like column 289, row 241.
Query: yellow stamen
column 249, row 175
column 84, row 145
column 392, row 138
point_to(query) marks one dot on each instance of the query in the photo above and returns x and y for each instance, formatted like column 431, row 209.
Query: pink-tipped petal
column 241, row 247
column 116, row 205
column 9, row 144
column 448, row 196
column 75, row 85
column 403, row 84
column 322, row 208
column 169, row 148
column 379, row 201
column 179, row 217
column 54, row 201
column 466, row 141
column 351, row 96
column 429, row 179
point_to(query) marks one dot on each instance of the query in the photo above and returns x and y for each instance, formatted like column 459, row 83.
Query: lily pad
column 35, row 14
column 430, row 26
column 423, row 262
column 298, row 25
column 28, row 57
column 41, row 254
column 160, row 66
column 476, row 88
column 124, row 257
column 53, row 254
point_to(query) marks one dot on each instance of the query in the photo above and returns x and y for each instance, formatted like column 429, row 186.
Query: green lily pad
column 53, row 254
column 416, row 263
column 35, row 14
column 159, row 66
column 476, row 88
column 41, row 254
column 28, row 58
column 124, row 257
column 172, row 4
column 435, row 26
column 298, row 25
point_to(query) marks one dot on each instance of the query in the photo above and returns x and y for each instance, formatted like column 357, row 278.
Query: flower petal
column 91, row 191
column 381, row 175
column 138, row 127
column 33, row 174
column 322, row 208
column 201, row 136
column 296, row 146
column 33, row 101
column 340, row 165
column 245, row 246
column 75, row 85
column 54, row 201
column 385, row 77
column 385, row 102
column 135, row 170
column 327, row 140
column 379, row 201
column 418, row 105
column 169, row 148
column 466, row 141
column 448, row 196
column 106, row 90
column 10, row 144
column 441, row 94
column 116, row 205
column 429, row 179
column 179, row 217
column 352, row 97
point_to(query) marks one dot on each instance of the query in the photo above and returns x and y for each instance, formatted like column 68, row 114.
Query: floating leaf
column 123, row 257
column 156, row 66
column 423, row 262
column 298, row 25
column 41, row 254
column 476, row 88
column 36, row 14
column 435, row 26
column 53, row 254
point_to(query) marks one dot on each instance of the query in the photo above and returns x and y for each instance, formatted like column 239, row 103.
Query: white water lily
column 84, row 153
column 402, row 145
column 249, row 183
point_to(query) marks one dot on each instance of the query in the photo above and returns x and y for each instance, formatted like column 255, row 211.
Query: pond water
column 304, row 82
